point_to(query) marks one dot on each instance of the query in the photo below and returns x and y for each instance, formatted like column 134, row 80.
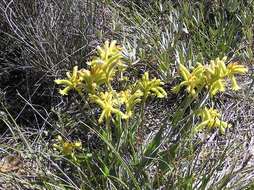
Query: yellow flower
column 109, row 103
column 73, row 81
column 211, row 76
column 153, row 86
column 109, row 61
column 217, row 86
column 130, row 99
column 210, row 118
column 93, row 78
column 109, row 50
column 217, row 68
column 215, row 74
column 217, row 71
column 235, row 68
column 67, row 147
column 192, row 81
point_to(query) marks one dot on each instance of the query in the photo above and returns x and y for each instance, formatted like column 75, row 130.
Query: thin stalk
column 18, row 130
column 140, row 128
column 108, row 130
column 251, row 85
column 81, row 94
column 128, row 168
column 142, row 114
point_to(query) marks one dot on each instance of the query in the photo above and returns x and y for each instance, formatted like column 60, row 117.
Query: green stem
column 142, row 113
column 108, row 130
column 140, row 128
column 81, row 94
column 109, row 86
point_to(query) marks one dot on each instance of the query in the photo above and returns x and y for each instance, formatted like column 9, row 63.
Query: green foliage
column 107, row 167
column 118, row 124
column 117, row 108
column 166, row 33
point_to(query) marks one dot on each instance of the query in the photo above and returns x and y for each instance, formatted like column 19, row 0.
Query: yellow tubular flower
column 210, row 118
column 217, row 71
column 109, row 104
column 73, row 81
column 192, row 81
column 108, row 60
column 67, row 147
column 184, row 72
column 215, row 74
column 221, row 69
column 93, row 78
column 109, row 50
column 151, row 86
column 103, row 67
column 235, row 86
column 130, row 99
column 217, row 86
column 235, row 68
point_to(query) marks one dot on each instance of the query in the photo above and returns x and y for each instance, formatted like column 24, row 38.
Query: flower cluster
column 101, row 71
column 153, row 86
column 211, row 118
column 130, row 99
column 66, row 147
column 192, row 80
column 109, row 104
column 73, row 81
column 211, row 76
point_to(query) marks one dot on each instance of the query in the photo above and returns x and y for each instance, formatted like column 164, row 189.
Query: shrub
column 124, row 162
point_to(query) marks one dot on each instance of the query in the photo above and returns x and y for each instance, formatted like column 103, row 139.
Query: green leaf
column 105, row 171
column 151, row 150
